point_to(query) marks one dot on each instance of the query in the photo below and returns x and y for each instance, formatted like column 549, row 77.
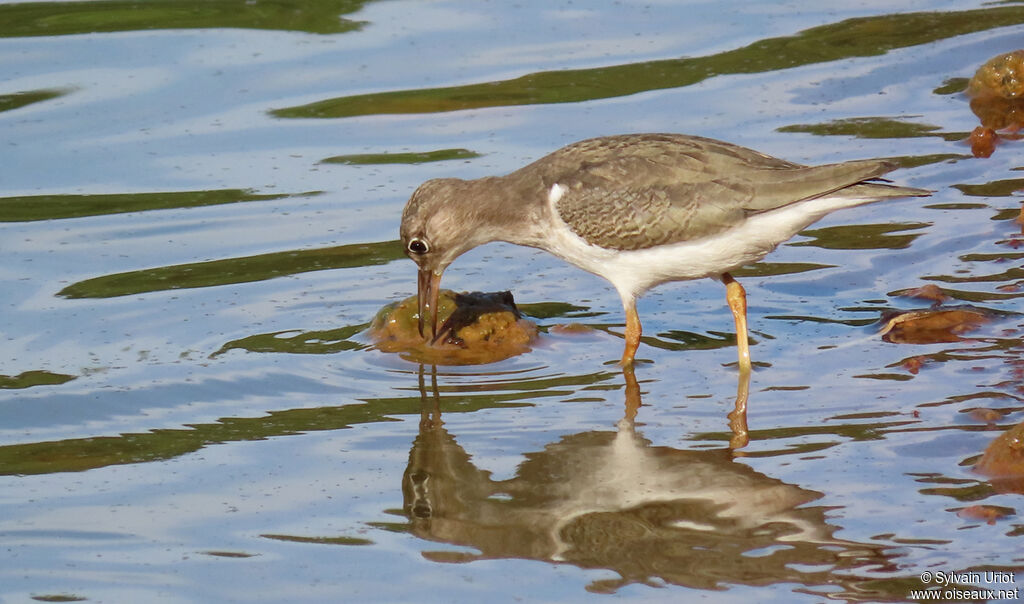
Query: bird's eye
column 418, row 246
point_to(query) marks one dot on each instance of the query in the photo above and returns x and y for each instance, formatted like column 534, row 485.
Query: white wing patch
column 556, row 193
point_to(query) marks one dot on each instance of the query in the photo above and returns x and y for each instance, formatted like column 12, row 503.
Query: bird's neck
column 513, row 209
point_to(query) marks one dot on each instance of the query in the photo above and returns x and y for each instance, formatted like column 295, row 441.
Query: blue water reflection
column 164, row 233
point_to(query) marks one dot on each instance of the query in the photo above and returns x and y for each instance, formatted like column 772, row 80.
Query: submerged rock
column 473, row 328
column 1003, row 461
column 933, row 326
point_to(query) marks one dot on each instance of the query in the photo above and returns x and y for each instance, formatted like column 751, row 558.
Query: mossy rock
column 473, row 328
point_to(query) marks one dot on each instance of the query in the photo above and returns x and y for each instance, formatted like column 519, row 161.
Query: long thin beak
column 428, row 288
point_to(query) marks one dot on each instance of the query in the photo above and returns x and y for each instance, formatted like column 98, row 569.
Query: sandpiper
column 638, row 210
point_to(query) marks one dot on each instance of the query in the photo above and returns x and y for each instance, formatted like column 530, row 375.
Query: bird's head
column 440, row 222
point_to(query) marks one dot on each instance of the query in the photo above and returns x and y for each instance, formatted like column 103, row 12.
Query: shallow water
column 199, row 206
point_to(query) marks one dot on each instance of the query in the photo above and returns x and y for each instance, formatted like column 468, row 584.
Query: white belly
column 633, row 272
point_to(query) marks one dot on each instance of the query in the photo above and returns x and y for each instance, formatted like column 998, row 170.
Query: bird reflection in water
column 486, row 327
column 611, row 500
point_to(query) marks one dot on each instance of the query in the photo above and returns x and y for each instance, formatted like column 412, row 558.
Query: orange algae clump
column 929, row 291
column 983, row 141
column 1002, row 75
column 997, row 98
column 988, row 513
column 474, row 328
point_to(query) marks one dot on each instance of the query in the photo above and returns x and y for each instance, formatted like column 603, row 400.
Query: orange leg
column 633, row 331
column 737, row 298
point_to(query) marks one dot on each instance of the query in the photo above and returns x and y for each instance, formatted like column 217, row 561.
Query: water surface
column 199, row 205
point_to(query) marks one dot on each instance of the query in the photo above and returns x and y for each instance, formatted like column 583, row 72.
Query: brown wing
column 637, row 191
